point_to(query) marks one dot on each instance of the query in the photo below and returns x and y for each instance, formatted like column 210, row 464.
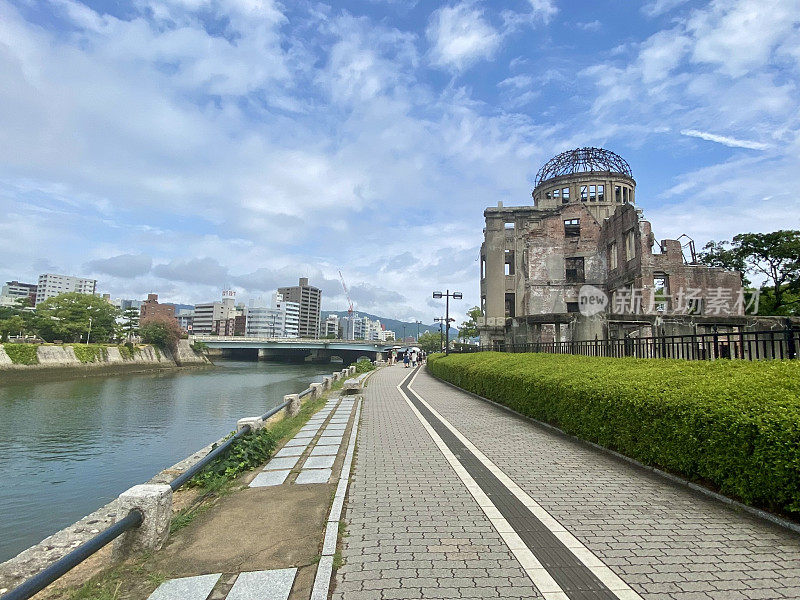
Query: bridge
column 295, row 349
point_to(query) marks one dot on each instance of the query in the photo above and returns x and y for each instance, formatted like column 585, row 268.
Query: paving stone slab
column 186, row 588
column 303, row 440
column 313, row 476
column 286, row 462
column 291, row 451
column 326, row 450
column 336, row 427
column 330, row 439
column 319, row 462
column 263, row 585
column 269, row 478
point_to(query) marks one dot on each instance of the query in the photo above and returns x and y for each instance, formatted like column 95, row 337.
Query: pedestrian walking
column 406, row 358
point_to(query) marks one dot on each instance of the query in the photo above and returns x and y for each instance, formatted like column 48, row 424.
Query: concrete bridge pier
column 320, row 357
column 284, row 355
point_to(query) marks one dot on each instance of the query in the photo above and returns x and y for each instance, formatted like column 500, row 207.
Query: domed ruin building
column 584, row 229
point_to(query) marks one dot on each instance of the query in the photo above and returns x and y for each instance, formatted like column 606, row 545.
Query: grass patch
column 732, row 425
column 127, row 351
column 111, row 584
column 90, row 353
column 22, row 354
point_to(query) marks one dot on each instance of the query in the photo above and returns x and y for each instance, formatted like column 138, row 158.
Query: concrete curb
column 697, row 488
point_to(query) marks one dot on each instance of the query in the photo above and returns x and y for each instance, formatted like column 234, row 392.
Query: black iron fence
column 743, row 345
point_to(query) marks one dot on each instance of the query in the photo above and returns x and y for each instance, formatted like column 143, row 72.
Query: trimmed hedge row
column 732, row 424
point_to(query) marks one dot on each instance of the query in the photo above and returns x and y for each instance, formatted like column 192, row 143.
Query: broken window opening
column 592, row 193
column 483, row 267
column 510, row 305
column 509, row 262
column 617, row 194
column 565, row 195
column 584, row 193
column 572, row 307
column 613, row 260
column 572, row 227
column 630, row 245
column 556, row 194
column 601, row 193
column 575, row 270
column 510, row 225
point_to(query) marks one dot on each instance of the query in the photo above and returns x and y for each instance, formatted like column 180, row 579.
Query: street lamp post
column 448, row 295
column 418, row 324
column 89, row 333
column 441, row 321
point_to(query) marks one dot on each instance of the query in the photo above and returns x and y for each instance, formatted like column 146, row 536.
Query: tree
column 469, row 329
column 430, row 342
column 130, row 322
column 71, row 316
column 162, row 331
column 10, row 325
column 774, row 255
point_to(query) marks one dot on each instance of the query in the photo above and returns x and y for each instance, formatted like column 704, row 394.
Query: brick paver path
column 414, row 531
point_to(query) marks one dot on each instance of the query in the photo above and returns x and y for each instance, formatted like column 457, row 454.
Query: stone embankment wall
column 142, row 358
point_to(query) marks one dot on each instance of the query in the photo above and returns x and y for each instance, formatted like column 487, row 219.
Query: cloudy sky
column 185, row 146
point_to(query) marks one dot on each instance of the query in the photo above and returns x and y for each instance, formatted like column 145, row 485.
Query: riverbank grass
column 733, row 426
column 22, row 354
column 89, row 353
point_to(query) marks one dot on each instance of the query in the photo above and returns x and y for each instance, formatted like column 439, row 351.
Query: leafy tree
column 774, row 255
column 430, row 342
column 161, row 331
column 469, row 329
column 67, row 317
column 11, row 325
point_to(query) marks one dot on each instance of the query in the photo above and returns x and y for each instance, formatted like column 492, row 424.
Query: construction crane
column 347, row 295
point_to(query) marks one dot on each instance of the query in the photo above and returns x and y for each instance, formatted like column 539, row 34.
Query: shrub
column 732, row 424
column 88, row 353
column 364, row 366
column 251, row 450
column 161, row 331
column 22, row 354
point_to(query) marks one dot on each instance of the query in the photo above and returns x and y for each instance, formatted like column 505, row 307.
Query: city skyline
column 180, row 148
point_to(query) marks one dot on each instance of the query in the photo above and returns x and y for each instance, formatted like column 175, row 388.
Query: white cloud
column 725, row 140
column 460, row 36
column 659, row 7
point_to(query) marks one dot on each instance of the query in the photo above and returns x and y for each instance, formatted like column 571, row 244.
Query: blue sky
column 185, row 146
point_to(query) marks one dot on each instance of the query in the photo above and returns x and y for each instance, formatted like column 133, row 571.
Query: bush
column 364, row 366
column 88, row 353
column 250, row 451
column 22, row 354
column 161, row 331
column 126, row 351
column 733, row 425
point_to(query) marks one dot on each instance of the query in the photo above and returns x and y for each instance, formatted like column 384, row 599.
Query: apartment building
column 310, row 300
column 51, row 284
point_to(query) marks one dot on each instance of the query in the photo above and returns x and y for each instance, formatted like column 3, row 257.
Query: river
column 69, row 447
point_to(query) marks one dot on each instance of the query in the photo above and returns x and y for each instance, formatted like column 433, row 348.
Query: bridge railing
column 134, row 518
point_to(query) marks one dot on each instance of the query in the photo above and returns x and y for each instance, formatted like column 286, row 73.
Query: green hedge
column 22, row 354
column 733, row 425
column 364, row 366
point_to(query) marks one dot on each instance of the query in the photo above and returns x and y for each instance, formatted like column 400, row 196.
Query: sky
column 184, row 147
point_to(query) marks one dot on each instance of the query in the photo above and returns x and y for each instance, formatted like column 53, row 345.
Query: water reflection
column 67, row 448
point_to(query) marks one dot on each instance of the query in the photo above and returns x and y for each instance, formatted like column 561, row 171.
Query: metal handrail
column 41, row 580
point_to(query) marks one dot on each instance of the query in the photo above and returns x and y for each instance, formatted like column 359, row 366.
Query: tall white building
column 279, row 319
column 51, row 285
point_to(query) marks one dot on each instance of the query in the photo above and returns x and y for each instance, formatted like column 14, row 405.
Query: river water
column 69, row 447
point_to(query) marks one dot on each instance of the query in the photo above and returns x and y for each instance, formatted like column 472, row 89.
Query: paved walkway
column 453, row 497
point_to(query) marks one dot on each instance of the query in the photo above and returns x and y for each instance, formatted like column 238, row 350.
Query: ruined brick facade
column 584, row 230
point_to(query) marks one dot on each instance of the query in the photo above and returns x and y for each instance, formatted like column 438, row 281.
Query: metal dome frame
column 583, row 160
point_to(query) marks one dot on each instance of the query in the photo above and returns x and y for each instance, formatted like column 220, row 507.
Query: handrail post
column 154, row 501
column 294, row 404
